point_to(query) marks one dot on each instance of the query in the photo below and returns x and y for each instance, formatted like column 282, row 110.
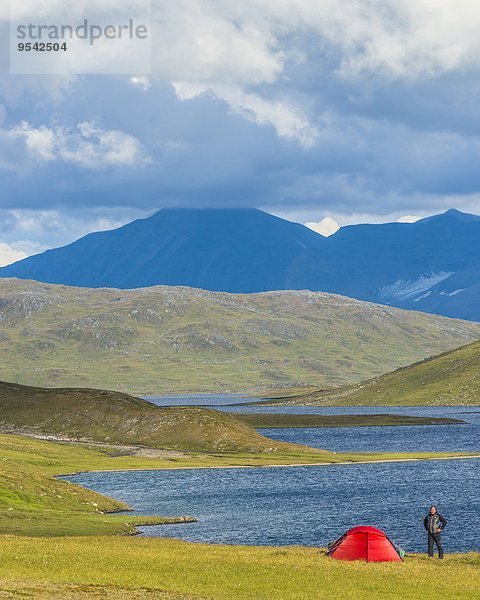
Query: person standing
column 434, row 523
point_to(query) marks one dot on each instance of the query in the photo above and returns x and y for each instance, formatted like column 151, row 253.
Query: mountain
column 450, row 214
column 172, row 339
column 432, row 265
column 112, row 417
column 244, row 250
column 452, row 378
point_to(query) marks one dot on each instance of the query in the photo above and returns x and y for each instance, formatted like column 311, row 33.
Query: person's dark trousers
column 434, row 538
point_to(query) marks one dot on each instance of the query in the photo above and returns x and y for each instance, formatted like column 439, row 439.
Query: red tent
column 365, row 543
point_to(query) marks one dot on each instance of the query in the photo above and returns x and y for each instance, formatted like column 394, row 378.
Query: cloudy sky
column 355, row 110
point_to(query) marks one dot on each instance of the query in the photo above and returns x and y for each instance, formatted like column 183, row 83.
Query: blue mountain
column 243, row 250
column 432, row 265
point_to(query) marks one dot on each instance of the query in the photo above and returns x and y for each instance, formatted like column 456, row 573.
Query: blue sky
column 360, row 110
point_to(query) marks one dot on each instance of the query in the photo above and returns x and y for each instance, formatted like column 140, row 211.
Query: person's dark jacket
column 434, row 523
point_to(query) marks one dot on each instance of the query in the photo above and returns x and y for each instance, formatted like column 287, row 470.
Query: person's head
column 433, row 509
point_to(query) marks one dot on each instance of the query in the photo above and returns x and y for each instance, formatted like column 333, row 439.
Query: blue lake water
column 199, row 400
column 305, row 505
column 313, row 505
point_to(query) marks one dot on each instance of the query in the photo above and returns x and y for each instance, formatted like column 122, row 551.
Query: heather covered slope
column 453, row 378
column 161, row 339
column 112, row 417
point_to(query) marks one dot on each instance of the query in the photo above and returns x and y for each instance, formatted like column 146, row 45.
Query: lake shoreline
column 274, row 465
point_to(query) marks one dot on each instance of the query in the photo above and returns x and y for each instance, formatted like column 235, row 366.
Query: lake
column 212, row 400
column 304, row 505
column 314, row 505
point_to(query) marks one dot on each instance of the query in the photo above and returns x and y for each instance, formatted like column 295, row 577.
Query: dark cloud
column 384, row 144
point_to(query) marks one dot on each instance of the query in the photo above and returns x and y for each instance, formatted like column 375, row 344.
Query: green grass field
column 124, row 567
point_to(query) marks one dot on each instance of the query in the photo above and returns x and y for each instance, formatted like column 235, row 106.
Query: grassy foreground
column 173, row 569
column 62, row 547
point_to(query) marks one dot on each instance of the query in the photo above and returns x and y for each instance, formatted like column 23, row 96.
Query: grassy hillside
column 33, row 502
column 164, row 339
column 113, row 417
column 452, row 378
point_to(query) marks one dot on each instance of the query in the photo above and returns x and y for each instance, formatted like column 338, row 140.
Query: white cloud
column 141, row 81
column 247, row 43
column 237, row 50
column 283, row 65
column 326, row 226
column 212, row 42
column 399, row 38
column 408, row 219
column 40, row 142
column 9, row 255
column 409, row 39
column 88, row 146
column 94, row 147
column 287, row 120
column 54, row 9
column 224, row 52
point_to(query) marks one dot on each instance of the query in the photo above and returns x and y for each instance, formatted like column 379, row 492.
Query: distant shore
column 287, row 420
column 279, row 465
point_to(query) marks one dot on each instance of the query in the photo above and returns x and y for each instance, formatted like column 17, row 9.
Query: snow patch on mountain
column 403, row 289
column 423, row 296
column 453, row 293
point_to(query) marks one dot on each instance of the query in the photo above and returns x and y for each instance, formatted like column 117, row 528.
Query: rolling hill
column 161, row 339
column 432, row 265
column 452, row 378
column 116, row 418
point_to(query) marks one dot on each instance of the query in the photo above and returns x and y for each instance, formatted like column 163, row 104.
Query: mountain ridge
column 432, row 265
column 222, row 250
column 400, row 263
